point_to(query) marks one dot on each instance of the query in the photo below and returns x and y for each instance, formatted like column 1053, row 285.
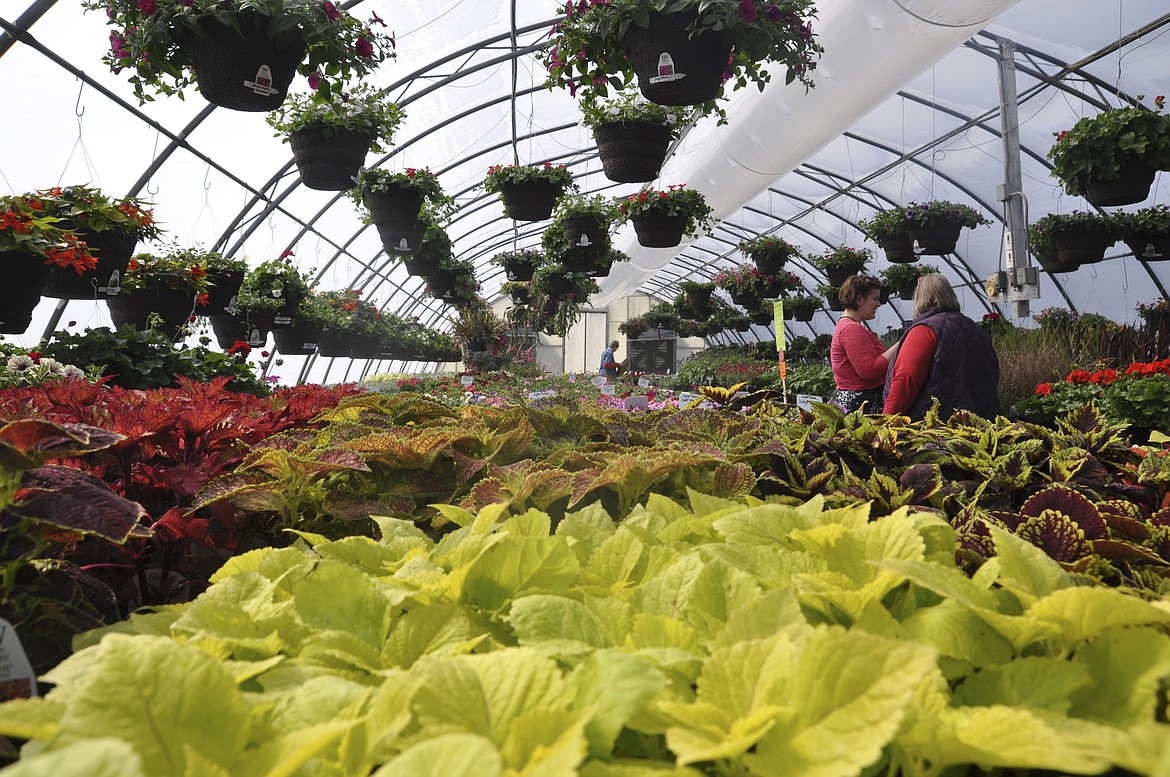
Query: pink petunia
column 315, row 80
column 376, row 19
column 147, row 7
column 331, row 12
column 773, row 13
column 363, row 47
column 747, row 11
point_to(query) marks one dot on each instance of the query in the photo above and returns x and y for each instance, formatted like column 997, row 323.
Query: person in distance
column 858, row 357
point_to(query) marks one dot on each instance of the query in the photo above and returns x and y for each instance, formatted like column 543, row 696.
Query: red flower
column 147, row 7
column 1043, row 390
column 315, row 80
column 1077, row 376
column 363, row 47
column 239, row 348
column 747, row 11
column 331, row 12
column 286, row 254
column 35, row 356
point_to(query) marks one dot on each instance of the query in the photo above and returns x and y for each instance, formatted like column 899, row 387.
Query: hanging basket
column 658, row 229
column 300, row 339
column 674, row 67
column 745, row 298
column 395, row 216
column 1132, row 185
column 329, row 162
column 559, row 285
column 899, row 249
column 441, row 283
column 937, row 239
column 906, row 289
column 769, row 262
column 1053, row 264
column 365, row 346
column 765, row 317
column 834, row 300
column 1080, row 247
column 251, row 327
column 631, row 151
column 803, row 312
column 699, row 300
column 519, row 271
column 838, row 275
column 530, row 200
column 113, row 249
column 587, row 235
column 172, row 306
column 282, row 316
column 334, row 343
column 521, row 296
column 25, row 277
column 242, row 71
column 223, row 286
column 1149, row 246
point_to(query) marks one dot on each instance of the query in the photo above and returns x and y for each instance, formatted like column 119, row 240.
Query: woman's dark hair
column 857, row 286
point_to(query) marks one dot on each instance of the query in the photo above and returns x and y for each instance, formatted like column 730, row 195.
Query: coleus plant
column 726, row 639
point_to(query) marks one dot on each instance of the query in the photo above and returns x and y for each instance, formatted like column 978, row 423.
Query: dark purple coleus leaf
column 924, row 480
column 1124, row 519
column 1070, row 503
column 1119, row 549
column 35, row 441
column 71, row 499
column 1057, row 535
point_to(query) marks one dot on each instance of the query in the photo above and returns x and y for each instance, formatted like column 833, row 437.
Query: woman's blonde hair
column 934, row 292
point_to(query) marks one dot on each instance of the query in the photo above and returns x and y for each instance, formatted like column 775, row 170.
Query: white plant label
column 599, row 381
column 17, row 680
column 263, row 83
column 805, row 401
column 644, row 382
column 466, row 380
column 609, row 390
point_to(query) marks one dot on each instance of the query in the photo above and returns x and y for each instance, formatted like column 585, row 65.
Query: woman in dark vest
column 943, row 355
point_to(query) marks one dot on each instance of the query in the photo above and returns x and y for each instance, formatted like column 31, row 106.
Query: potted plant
column 331, row 132
column 393, row 202
column 1155, row 314
column 664, row 315
column 634, row 327
column 841, row 262
column 578, row 236
column 353, row 326
column 768, row 252
column 435, row 249
column 662, row 218
column 453, row 280
column 904, row 277
column 781, row 284
column 247, row 319
column 698, row 296
column 528, row 192
column 300, row 338
column 242, row 56
column 159, row 292
column 934, row 226
column 225, row 275
column 803, row 307
column 111, row 227
column 279, row 279
column 519, row 265
column 1063, row 242
column 744, row 283
column 478, row 329
column 558, row 296
column 831, row 295
column 632, row 134
column 1111, row 158
column 519, row 291
column 680, row 53
column 30, row 242
column 888, row 229
column 1146, row 232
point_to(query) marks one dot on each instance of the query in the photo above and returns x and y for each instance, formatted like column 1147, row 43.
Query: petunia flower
column 747, row 11
column 363, row 47
column 331, row 12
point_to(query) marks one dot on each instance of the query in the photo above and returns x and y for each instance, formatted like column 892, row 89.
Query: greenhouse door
column 585, row 341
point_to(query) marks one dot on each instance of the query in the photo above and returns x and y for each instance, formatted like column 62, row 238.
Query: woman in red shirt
column 858, row 357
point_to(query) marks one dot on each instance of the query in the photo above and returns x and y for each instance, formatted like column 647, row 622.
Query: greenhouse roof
column 906, row 108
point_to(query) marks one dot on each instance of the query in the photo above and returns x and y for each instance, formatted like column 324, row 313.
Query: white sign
column 17, row 679
column 600, row 380
column 573, row 378
column 466, row 380
column 542, row 394
column 644, row 382
column 637, row 403
column 805, row 401
column 609, row 390
column 687, row 397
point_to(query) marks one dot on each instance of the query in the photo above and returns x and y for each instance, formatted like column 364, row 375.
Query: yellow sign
column 778, row 314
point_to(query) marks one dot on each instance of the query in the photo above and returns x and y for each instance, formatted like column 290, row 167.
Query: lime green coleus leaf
column 103, row 757
column 619, row 561
column 484, row 694
column 284, row 755
column 616, row 685
column 639, row 768
column 1081, row 613
column 774, row 612
column 442, row 629
column 957, row 632
column 546, row 743
column 282, row 565
column 557, row 624
column 160, row 697
column 585, row 531
column 1035, row 682
column 337, row 596
column 34, row 718
column 1127, row 667
column 518, row 565
column 842, row 726
column 447, row 755
column 247, row 613
column 1026, row 569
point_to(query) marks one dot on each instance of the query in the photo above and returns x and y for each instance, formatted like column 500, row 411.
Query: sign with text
column 542, row 394
column 609, row 390
column 17, row 680
column 805, row 401
column 599, row 381
column 466, row 380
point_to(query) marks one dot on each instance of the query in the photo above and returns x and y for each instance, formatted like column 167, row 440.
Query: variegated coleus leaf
column 71, row 499
column 1070, row 503
column 1056, row 534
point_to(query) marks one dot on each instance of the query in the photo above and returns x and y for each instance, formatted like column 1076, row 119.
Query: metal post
column 1022, row 280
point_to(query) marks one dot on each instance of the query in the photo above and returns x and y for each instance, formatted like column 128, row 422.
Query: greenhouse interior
column 615, row 388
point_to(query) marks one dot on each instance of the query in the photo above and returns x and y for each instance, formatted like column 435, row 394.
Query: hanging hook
column 152, row 190
column 78, row 108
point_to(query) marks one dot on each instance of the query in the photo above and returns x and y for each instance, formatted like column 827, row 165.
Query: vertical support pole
column 1012, row 192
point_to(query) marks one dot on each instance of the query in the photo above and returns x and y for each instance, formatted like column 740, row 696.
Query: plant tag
column 609, row 390
column 687, row 397
column 643, row 382
column 584, row 241
column 231, row 308
column 17, row 680
column 542, row 394
column 255, row 338
column 666, row 70
column 637, row 403
column 282, row 320
column 309, row 346
column 263, row 83
column 707, row 404
column 572, row 378
column 466, row 380
column 599, row 381
column 114, row 286
column 805, row 401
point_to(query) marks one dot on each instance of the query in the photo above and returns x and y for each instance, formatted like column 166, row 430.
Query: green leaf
column 440, row 629
column 97, row 757
column 546, row 742
column 775, row 612
column 444, row 756
column 1025, row 569
column 1083, row 613
column 516, row 565
column 1127, row 666
column 34, row 718
column 541, row 618
column 958, row 632
column 161, row 697
column 484, row 694
column 336, row 596
column 1036, row 682
column 245, row 612
column 616, row 685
